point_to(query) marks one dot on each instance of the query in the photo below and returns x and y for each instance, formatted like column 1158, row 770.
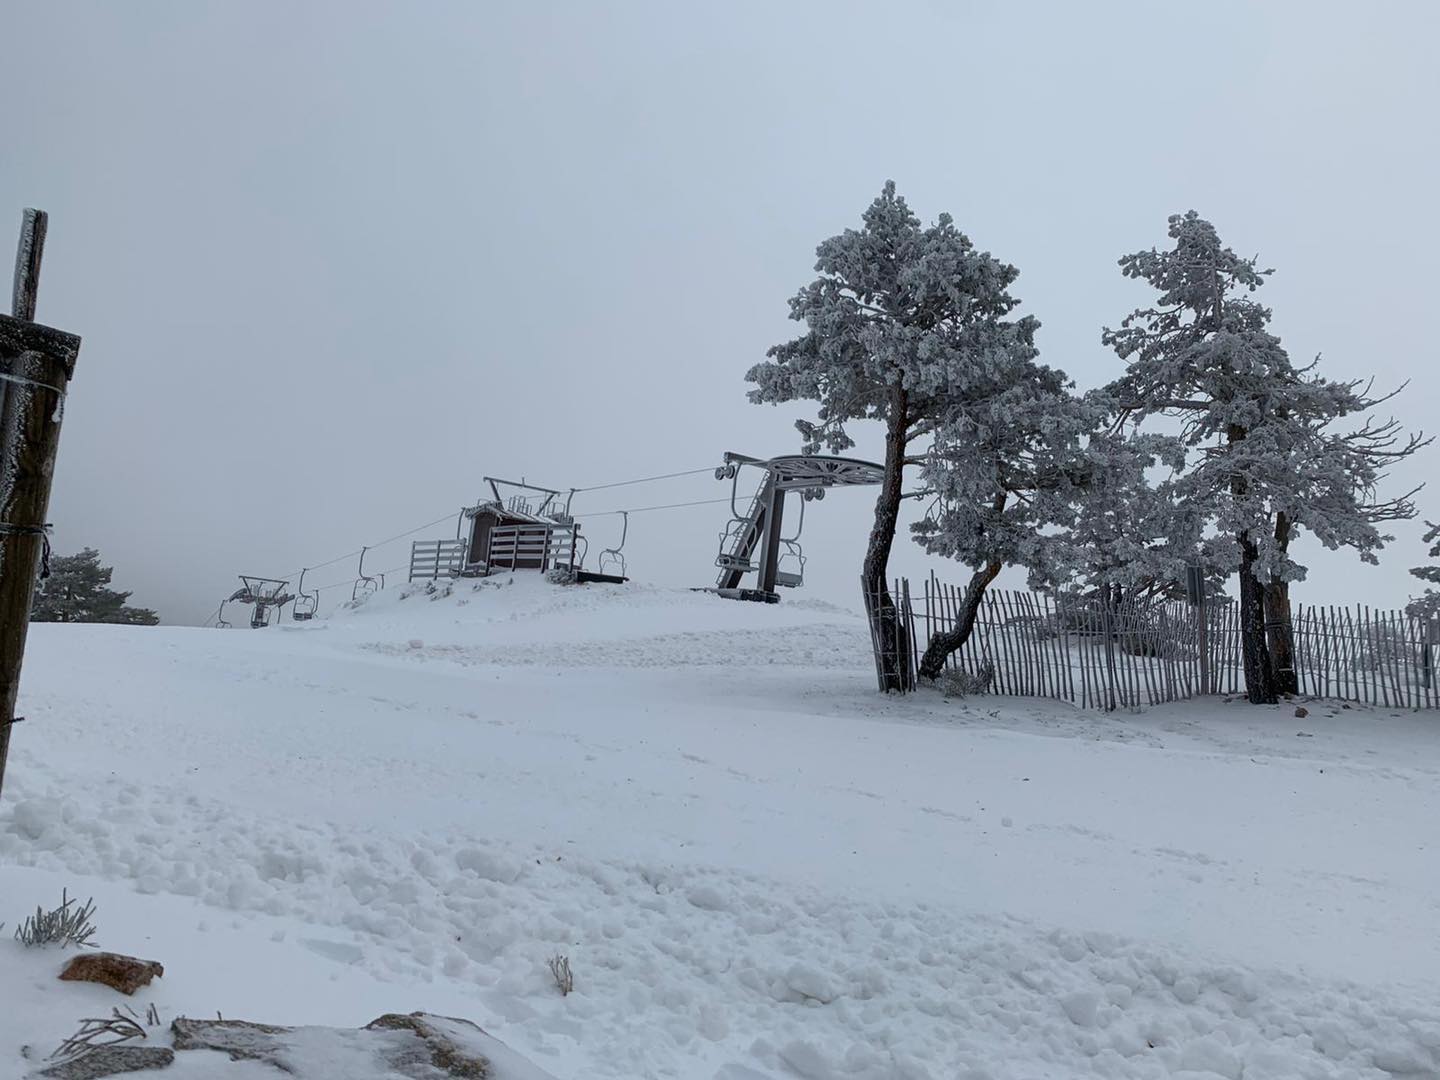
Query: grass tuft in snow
column 64, row 925
column 95, row 1032
column 955, row 682
column 561, row 973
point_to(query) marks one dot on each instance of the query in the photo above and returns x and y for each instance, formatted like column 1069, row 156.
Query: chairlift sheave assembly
column 262, row 593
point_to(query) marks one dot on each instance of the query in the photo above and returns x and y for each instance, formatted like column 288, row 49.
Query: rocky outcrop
column 443, row 1051
column 241, row 1039
column 416, row 1045
column 419, row 1046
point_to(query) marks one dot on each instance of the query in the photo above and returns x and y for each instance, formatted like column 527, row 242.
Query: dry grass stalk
column 561, row 973
column 95, row 1032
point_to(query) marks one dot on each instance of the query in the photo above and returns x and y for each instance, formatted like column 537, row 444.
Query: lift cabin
column 754, row 542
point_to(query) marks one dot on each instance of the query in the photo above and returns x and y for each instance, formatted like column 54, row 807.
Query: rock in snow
column 124, row 973
column 110, row 1061
column 415, row 1045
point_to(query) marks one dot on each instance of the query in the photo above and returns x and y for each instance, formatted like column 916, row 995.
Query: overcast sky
column 332, row 263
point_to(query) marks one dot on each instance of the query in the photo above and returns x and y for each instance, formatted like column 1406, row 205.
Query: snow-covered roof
column 508, row 513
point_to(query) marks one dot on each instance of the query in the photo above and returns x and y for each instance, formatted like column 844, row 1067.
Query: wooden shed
column 531, row 531
column 513, row 537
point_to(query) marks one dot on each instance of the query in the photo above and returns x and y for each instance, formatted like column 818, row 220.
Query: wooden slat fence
column 542, row 547
column 432, row 559
column 1128, row 654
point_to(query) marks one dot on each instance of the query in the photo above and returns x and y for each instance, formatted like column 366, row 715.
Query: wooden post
column 27, row 264
column 1106, row 622
column 36, row 363
column 1202, row 635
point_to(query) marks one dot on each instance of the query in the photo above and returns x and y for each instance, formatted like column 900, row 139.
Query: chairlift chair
column 306, row 604
column 790, row 571
column 614, row 558
column 365, row 585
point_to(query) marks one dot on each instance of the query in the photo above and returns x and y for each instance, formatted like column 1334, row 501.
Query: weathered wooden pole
column 36, row 363
column 27, row 264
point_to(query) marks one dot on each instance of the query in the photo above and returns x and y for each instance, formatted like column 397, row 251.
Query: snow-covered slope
column 758, row 866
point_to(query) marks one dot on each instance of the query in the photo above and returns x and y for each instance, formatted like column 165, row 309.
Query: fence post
column 1107, row 623
column 876, row 646
column 1202, row 639
column 36, row 364
column 911, row 656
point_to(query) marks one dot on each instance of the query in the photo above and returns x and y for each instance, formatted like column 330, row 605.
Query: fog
column 333, row 263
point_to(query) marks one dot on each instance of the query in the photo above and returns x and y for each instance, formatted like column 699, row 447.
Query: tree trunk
column 1259, row 673
column 1259, row 670
column 891, row 638
column 947, row 641
column 1279, row 637
column 1278, row 631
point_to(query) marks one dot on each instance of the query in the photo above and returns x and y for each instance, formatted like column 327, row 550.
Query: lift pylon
column 753, row 541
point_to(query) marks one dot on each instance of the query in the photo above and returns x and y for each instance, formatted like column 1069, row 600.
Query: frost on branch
column 1427, row 604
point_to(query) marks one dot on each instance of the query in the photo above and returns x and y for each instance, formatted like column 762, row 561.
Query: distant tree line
column 77, row 590
column 910, row 326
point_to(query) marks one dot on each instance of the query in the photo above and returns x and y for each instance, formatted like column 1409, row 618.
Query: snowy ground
column 758, row 866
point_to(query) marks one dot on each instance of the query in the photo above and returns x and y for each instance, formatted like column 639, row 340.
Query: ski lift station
column 522, row 526
column 526, row 527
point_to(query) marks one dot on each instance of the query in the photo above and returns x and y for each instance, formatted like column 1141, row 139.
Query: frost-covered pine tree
column 1130, row 537
column 1270, row 459
column 1427, row 604
column 902, row 321
column 1010, row 455
column 1026, row 474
